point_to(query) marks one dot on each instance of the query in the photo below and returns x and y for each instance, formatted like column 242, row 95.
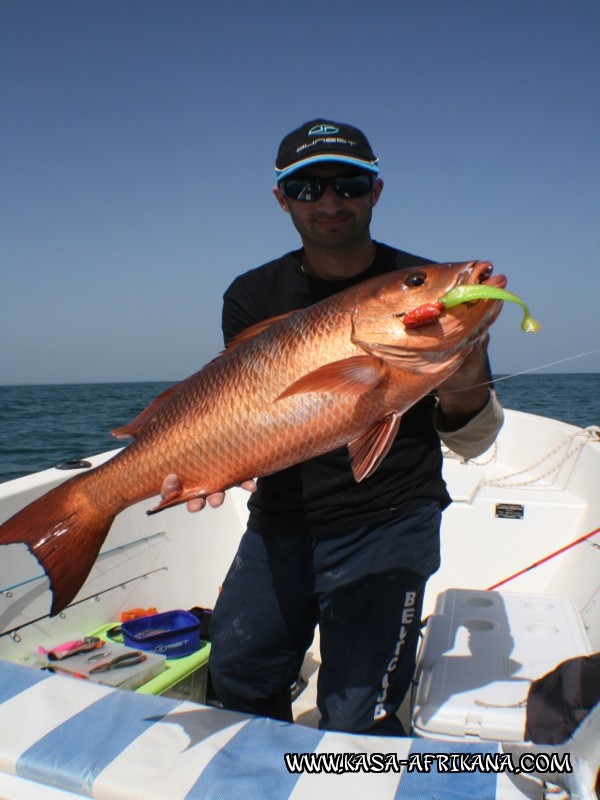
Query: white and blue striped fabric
column 87, row 740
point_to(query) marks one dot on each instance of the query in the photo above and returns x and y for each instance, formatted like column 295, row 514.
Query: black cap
column 324, row 141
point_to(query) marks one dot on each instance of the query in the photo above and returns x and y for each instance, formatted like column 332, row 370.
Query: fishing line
column 551, row 364
column 523, row 372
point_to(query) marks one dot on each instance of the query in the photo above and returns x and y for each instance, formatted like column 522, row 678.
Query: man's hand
column 171, row 484
column 467, row 390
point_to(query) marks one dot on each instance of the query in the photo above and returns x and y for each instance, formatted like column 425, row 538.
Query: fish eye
column 415, row 279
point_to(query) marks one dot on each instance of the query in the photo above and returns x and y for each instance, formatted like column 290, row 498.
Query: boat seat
column 62, row 737
column 481, row 651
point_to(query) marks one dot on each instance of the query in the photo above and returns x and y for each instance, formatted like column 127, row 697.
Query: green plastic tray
column 176, row 668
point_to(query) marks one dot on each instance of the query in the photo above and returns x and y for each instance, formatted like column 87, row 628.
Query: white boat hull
column 525, row 519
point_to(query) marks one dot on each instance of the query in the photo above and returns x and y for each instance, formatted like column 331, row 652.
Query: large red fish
column 340, row 372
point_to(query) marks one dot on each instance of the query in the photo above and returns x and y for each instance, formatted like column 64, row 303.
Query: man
column 320, row 548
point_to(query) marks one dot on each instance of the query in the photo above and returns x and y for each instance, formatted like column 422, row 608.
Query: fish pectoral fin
column 369, row 449
column 354, row 375
column 176, row 499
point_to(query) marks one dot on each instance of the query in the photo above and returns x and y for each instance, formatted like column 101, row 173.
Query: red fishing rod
column 543, row 560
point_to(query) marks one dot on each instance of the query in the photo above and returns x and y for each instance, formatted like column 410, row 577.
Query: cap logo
column 320, row 130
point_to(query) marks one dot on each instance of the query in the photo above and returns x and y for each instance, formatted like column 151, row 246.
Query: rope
column 592, row 433
column 478, row 462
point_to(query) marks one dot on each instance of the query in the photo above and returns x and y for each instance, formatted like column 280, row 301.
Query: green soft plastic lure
column 429, row 312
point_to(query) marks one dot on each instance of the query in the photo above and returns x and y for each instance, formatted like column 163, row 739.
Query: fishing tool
column 98, row 655
column 73, row 648
column 124, row 660
column 57, row 670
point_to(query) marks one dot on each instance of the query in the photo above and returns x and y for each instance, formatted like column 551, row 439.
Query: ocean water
column 42, row 426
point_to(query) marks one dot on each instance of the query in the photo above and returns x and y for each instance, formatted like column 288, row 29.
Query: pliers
column 124, row 660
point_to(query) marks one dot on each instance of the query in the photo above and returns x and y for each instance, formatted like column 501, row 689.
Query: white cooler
column 480, row 653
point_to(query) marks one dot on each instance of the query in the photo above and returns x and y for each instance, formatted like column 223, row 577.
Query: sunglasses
column 309, row 188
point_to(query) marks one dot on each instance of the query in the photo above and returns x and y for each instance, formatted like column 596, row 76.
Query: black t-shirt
column 320, row 497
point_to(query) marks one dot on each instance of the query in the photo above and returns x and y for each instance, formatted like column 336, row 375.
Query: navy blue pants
column 365, row 590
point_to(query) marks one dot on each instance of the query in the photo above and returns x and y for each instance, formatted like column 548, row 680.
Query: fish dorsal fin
column 253, row 330
column 354, row 375
column 134, row 427
column 369, row 449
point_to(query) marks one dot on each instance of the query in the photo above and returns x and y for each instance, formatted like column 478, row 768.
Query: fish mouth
column 475, row 273
column 444, row 338
column 480, row 272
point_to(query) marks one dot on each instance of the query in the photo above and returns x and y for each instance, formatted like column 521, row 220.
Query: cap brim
column 369, row 166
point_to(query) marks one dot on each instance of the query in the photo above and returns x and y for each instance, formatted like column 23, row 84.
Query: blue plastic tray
column 172, row 634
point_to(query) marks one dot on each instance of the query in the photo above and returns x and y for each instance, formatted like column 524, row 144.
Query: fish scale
column 339, row 372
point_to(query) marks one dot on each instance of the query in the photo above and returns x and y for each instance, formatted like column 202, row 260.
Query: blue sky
column 137, row 145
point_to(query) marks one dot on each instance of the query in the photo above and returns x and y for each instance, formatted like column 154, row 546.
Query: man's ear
column 281, row 199
column 376, row 191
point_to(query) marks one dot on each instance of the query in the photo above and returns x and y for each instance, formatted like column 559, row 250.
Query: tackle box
column 183, row 678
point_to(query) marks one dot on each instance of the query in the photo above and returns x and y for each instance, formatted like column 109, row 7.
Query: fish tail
column 64, row 530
